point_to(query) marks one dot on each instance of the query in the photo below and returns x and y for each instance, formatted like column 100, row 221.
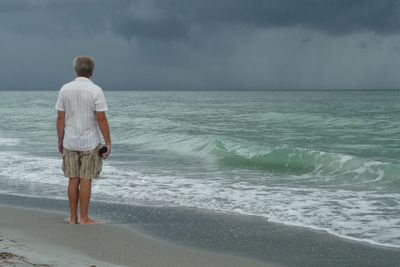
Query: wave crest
column 300, row 162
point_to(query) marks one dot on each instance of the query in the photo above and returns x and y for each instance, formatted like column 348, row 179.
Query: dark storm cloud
column 329, row 16
column 173, row 19
column 202, row 44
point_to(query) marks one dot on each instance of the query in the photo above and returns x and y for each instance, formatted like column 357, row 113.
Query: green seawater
column 322, row 159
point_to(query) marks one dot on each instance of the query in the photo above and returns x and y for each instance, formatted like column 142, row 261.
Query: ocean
column 326, row 160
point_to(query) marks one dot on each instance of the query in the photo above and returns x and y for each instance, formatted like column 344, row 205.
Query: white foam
column 368, row 216
column 361, row 216
column 5, row 141
column 19, row 166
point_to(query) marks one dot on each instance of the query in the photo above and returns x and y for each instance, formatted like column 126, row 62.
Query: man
column 81, row 109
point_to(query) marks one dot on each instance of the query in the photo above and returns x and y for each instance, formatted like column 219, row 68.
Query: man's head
column 83, row 66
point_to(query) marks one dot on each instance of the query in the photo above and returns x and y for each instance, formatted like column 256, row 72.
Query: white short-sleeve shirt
column 80, row 99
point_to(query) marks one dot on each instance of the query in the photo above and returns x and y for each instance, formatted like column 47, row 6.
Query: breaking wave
column 302, row 162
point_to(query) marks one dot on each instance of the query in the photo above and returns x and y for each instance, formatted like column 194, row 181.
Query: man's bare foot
column 73, row 221
column 87, row 221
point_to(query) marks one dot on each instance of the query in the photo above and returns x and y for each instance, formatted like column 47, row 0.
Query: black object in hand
column 102, row 150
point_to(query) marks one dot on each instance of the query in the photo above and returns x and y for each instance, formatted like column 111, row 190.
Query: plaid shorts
column 82, row 164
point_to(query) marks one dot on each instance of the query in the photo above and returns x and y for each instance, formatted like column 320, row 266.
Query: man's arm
column 60, row 130
column 105, row 131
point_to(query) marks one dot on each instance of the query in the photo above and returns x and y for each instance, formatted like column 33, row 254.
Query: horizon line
column 216, row 90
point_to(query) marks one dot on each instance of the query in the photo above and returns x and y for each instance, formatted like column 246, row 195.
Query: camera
column 102, row 151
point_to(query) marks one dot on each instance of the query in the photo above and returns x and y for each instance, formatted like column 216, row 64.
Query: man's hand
column 107, row 154
column 105, row 131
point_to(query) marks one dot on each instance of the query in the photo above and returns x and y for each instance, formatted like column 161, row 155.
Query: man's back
column 80, row 99
column 81, row 116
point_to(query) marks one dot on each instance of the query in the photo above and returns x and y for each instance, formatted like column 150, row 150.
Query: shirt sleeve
column 60, row 105
column 100, row 103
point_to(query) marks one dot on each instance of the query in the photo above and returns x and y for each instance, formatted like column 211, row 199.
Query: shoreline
column 244, row 237
column 360, row 241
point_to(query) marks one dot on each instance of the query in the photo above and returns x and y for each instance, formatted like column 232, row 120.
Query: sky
column 202, row 44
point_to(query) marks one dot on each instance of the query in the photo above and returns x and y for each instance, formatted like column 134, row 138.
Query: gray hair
column 83, row 66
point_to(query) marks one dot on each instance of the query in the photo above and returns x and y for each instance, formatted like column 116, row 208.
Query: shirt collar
column 82, row 79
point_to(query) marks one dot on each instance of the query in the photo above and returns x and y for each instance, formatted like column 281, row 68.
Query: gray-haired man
column 81, row 109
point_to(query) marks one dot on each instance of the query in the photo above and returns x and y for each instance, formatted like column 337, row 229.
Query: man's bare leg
column 84, row 198
column 73, row 196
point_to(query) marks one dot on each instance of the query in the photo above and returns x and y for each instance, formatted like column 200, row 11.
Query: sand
column 33, row 237
column 169, row 236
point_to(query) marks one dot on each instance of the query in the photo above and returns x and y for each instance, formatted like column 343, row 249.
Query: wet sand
column 249, row 239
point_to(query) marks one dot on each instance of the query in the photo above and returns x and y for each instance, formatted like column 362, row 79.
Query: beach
column 155, row 236
column 282, row 178
column 45, row 239
column 238, row 133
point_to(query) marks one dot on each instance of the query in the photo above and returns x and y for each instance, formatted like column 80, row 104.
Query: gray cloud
column 173, row 19
column 329, row 16
column 192, row 44
column 336, row 17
